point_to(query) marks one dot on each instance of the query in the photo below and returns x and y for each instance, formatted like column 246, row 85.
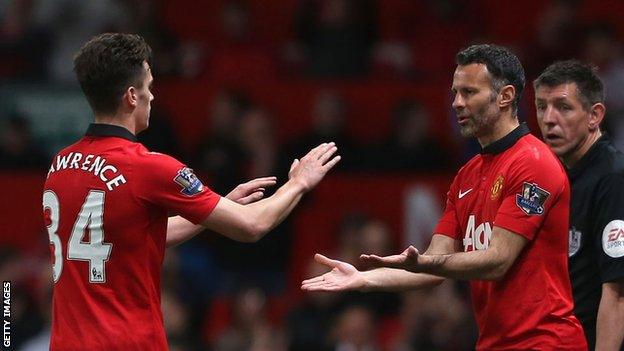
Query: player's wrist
column 428, row 263
column 368, row 282
column 298, row 185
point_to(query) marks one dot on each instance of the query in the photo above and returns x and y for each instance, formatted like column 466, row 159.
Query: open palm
column 343, row 276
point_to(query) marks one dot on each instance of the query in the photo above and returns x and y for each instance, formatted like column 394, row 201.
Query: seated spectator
column 307, row 323
column 411, row 146
column 603, row 48
column 17, row 147
column 355, row 329
column 250, row 329
column 219, row 154
column 329, row 123
column 337, row 36
column 160, row 136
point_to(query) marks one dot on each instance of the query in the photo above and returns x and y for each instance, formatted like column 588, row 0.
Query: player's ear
column 131, row 97
column 596, row 114
column 507, row 96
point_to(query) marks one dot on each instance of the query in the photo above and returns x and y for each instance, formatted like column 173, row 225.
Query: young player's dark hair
column 589, row 85
column 107, row 65
column 504, row 67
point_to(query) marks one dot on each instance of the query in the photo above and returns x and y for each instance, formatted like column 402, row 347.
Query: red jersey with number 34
column 106, row 202
column 517, row 184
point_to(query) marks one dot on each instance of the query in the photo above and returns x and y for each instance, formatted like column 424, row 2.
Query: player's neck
column 116, row 120
column 504, row 126
column 575, row 155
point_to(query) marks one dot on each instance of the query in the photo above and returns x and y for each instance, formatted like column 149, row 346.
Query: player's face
column 564, row 123
column 144, row 97
column 474, row 100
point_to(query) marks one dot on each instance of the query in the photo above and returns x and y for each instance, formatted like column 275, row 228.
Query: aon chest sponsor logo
column 477, row 236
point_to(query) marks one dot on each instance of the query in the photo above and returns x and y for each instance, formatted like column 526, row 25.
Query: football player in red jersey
column 112, row 207
column 505, row 223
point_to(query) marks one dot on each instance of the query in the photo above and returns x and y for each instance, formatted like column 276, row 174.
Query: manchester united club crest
column 532, row 199
column 575, row 242
column 189, row 182
column 497, row 187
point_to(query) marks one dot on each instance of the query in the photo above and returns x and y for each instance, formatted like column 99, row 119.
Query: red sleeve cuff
column 446, row 228
column 199, row 216
column 518, row 226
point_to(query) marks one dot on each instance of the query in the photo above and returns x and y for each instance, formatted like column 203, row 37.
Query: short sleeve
column 609, row 227
column 448, row 225
column 167, row 183
column 534, row 184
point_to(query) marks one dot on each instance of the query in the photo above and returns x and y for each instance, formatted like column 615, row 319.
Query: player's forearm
column 390, row 279
column 609, row 331
column 180, row 230
column 479, row 265
column 268, row 213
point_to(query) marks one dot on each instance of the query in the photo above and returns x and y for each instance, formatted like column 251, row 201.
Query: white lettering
column 117, row 181
column 97, row 165
column 74, row 162
column 92, row 164
column 106, row 168
column 61, row 163
column 477, row 238
column 6, row 309
column 86, row 162
column 7, row 334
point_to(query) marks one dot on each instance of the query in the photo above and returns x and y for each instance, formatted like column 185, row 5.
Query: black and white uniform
column 596, row 229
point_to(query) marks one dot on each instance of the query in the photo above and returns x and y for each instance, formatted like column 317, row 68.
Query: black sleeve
column 609, row 227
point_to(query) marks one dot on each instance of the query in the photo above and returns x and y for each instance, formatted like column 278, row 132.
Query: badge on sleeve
column 532, row 199
column 189, row 182
column 575, row 241
column 613, row 238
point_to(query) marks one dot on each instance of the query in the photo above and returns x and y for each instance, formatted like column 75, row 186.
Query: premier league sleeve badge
column 191, row 185
column 532, row 199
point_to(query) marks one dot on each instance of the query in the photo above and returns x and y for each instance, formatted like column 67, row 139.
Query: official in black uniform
column 569, row 101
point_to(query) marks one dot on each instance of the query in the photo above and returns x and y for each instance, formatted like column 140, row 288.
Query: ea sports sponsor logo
column 613, row 238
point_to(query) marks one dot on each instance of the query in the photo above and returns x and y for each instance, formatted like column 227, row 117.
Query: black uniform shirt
column 596, row 228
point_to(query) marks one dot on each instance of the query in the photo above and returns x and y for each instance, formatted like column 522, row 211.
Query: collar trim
column 109, row 130
column 507, row 141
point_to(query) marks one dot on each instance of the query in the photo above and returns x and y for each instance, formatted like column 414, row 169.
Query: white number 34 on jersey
column 95, row 251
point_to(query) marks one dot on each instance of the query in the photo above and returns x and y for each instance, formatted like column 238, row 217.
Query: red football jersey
column 517, row 184
column 106, row 202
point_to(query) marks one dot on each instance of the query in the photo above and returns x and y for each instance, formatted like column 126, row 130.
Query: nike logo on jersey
column 462, row 194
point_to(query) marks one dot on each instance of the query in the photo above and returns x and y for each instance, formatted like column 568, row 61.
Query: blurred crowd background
column 242, row 87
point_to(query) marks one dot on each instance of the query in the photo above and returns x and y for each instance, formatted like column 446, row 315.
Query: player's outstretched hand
column 342, row 276
column 311, row 168
column 251, row 191
column 407, row 260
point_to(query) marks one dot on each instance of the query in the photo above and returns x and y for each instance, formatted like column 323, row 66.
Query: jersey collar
column 507, row 141
column 589, row 156
column 109, row 130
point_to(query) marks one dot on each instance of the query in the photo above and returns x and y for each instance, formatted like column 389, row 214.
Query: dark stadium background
column 243, row 87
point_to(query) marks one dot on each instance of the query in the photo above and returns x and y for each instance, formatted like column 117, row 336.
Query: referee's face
column 564, row 123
